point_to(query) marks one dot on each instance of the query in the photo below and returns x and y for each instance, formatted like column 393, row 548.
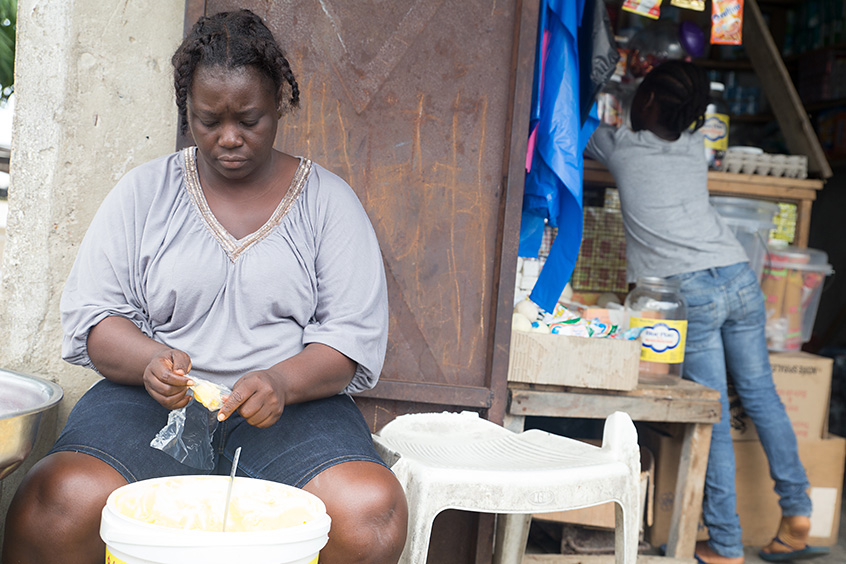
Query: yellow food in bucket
column 197, row 503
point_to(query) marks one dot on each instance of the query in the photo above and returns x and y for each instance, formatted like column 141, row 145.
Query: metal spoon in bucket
column 231, row 482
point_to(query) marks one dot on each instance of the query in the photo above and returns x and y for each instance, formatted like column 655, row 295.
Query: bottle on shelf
column 716, row 127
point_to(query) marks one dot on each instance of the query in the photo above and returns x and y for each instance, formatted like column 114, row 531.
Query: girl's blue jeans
column 726, row 320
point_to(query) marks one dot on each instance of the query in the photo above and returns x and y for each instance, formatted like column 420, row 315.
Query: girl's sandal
column 793, row 554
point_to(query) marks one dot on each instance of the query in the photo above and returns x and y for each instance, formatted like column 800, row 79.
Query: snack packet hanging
column 726, row 22
column 648, row 8
column 698, row 5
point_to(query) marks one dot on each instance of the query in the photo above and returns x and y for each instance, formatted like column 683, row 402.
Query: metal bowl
column 23, row 400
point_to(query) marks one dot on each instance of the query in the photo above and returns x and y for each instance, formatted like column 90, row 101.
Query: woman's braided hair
column 681, row 91
column 231, row 40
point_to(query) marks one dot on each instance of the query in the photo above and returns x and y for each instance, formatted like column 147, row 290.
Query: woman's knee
column 63, row 493
column 368, row 510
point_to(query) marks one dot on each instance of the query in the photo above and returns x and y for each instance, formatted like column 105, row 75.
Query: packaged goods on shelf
column 567, row 349
column 785, row 224
column 601, row 265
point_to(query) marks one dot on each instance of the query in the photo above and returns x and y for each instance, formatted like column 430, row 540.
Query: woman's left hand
column 258, row 396
column 318, row 371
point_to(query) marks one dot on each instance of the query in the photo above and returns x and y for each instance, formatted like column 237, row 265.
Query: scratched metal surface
column 408, row 100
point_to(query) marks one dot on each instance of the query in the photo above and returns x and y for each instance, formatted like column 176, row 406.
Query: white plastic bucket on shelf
column 178, row 519
column 751, row 222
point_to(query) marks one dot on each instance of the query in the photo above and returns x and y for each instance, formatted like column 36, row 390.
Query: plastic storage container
column 657, row 305
column 191, row 508
column 792, row 284
column 751, row 222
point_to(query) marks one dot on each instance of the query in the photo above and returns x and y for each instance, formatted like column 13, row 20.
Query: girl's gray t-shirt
column 671, row 227
column 155, row 254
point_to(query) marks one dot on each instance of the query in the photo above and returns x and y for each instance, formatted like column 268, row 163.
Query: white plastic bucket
column 130, row 540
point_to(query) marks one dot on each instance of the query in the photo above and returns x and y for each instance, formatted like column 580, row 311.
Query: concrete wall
column 93, row 99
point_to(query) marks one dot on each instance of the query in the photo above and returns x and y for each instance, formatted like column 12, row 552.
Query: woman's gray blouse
column 156, row 255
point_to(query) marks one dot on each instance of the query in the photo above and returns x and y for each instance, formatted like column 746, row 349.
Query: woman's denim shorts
column 116, row 423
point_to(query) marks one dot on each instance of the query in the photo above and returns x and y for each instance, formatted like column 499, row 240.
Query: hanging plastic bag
column 187, row 436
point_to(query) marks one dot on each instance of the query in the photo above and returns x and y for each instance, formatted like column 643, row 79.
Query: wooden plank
column 424, row 392
column 595, row 173
column 651, row 404
column 683, row 389
column 801, row 191
column 792, row 118
column 718, row 178
column 599, row 559
column 728, row 182
column 803, row 223
column 763, row 192
column 686, row 512
column 511, row 204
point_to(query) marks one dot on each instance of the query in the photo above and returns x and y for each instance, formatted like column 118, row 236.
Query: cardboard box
column 757, row 503
column 582, row 362
column 803, row 381
column 602, row 516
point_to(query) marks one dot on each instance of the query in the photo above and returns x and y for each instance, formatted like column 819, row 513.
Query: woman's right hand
column 166, row 380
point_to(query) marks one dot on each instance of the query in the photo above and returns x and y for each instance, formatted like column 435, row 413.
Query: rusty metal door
column 423, row 107
column 411, row 102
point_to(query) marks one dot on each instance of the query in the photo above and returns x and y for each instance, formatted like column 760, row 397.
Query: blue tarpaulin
column 553, row 189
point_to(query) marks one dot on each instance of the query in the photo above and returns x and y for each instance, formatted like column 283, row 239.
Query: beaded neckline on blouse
column 235, row 247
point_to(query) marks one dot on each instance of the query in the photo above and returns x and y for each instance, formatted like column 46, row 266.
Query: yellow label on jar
column 663, row 339
column 716, row 131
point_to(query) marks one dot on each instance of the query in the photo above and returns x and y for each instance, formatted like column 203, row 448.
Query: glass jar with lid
column 656, row 305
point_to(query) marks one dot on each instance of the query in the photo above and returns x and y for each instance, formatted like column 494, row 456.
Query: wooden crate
column 582, row 362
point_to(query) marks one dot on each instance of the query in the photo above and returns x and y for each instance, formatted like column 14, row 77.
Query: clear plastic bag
column 187, row 437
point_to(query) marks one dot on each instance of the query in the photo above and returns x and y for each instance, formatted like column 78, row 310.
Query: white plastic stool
column 461, row 461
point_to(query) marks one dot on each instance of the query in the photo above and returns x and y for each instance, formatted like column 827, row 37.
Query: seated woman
column 239, row 264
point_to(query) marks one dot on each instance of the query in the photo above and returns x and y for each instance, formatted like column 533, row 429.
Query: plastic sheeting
column 559, row 134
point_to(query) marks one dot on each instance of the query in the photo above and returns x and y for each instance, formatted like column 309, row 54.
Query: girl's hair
column 681, row 91
column 231, row 40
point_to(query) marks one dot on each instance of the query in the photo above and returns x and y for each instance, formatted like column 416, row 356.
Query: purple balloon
column 692, row 38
